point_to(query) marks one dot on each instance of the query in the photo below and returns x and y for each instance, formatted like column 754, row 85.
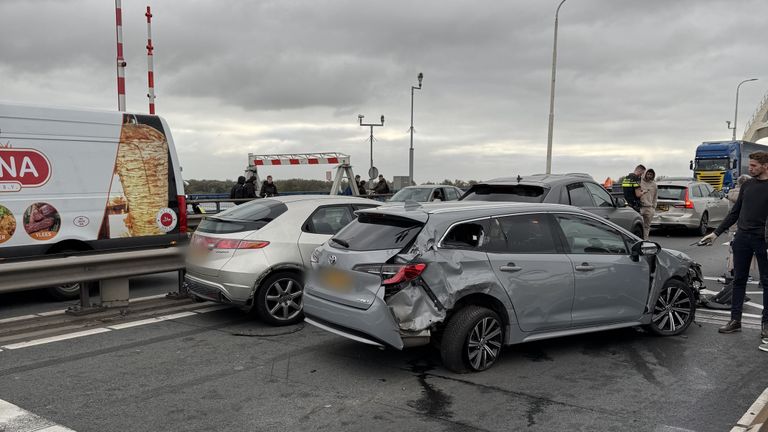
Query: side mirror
column 620, row 201
column 690, row 165
column 645, row 248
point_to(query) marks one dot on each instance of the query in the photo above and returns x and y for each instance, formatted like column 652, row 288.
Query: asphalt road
column 224, row 370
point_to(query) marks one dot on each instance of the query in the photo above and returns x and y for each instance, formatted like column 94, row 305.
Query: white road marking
column 726, row 312
column 17, row 318
column 13, row 418
column 212, row 308
column 51, row 313
column 152, row 297
column 105, row 329
column 721, row 280
column 74, row 335
column 150, row 320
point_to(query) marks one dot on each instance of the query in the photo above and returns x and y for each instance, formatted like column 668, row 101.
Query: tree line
column 289, row 185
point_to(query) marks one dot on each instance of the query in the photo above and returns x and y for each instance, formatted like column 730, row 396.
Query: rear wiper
column 340, row 242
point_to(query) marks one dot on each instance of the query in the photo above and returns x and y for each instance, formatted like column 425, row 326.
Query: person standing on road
column 648, row 200
column 631, row 187
column 268, row 189
column 381, row 187
column 249, row 189
column 733, row 194
column 238, row 190
column 749, row 213
column 361, row 188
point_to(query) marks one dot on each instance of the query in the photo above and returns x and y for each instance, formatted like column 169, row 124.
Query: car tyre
column 703, row 225
column 70, row 291
column 279, row 300
column 674, row 309
column 638, row 231
column 472, row 340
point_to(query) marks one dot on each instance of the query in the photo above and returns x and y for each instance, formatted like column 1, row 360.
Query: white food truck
column 74, row 181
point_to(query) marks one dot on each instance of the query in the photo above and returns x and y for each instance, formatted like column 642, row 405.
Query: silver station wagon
column 471, row 277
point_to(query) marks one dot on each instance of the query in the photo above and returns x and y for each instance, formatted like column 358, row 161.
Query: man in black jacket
column 238, row 190
column 268, row 189
column 249, row 189
column 749, row 213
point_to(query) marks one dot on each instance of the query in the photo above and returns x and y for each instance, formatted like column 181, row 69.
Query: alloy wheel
column 284, row 299
column 673, row 309
column 484, row 343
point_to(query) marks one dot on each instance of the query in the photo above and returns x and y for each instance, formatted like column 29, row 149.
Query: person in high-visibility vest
column 630, row 185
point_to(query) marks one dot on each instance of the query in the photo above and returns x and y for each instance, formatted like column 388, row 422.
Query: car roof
column 329, row 198
column 678, row 182
column 540, row 179
column 421, row 212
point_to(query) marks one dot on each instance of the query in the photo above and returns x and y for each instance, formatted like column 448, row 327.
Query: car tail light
column 240, row 244
column 182, row 200
column 393, row 274
column 688, row 203
column 213, row 243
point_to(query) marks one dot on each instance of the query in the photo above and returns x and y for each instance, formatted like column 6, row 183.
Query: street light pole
column 736, row 111
column 552, row 95
column 410, row 152
column 360, row 117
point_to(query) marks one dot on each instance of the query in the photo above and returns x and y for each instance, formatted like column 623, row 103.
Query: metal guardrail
column 49, row 272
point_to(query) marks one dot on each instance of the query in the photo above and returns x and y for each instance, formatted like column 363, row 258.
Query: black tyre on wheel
column 638, row 230
column 673, row 310
column 703, row 225
column 279, row 299
column 472, row 340
column 70, row 291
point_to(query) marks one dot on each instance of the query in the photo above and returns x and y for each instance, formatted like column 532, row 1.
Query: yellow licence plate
column 662, row 207
column 337, row 280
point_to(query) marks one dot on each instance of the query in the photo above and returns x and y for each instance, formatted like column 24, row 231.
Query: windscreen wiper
column 340, row 242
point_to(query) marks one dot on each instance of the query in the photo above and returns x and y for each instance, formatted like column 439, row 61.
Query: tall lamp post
column 552, row 95
column 410, row 152
column 736, row 111
column 360, row 117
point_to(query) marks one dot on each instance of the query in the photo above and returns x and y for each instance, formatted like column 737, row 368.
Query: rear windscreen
column 250, row 216
column 371, row 231
column 672, row 192
column 515, row 193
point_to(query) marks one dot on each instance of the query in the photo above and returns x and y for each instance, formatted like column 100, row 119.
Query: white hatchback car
column 254, row 255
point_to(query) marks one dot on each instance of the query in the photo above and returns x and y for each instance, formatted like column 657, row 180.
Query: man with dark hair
column 268, row 188
column 238, row 190
column 631, row 187
column 749, row 213
column 249, row 189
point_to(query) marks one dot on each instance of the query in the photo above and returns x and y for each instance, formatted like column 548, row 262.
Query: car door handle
column 511, row 267
column 584, row 267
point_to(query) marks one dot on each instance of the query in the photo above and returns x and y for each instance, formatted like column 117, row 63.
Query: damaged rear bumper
column 374, row 326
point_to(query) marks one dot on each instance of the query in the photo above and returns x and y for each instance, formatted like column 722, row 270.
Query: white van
column 80, row 180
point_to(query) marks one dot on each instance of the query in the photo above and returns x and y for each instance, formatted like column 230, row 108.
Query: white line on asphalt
column 718, row 321
column 212, row 308
column 721, row 280
column 74, row 335
column 152, row 297
column 749, row 303
column 749, row 417
column 17, row 318
column 107, row 328
column 150, row 320
column 51, row 313
column 13, row 418
column 725, row 312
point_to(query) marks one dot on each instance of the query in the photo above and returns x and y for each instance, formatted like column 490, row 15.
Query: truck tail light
column 182, row 200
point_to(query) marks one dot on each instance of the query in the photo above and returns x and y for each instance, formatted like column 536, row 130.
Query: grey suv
column 472, row 277
column 579, row 190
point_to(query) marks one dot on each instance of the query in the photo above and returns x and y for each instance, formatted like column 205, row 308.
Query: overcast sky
column 637, row 81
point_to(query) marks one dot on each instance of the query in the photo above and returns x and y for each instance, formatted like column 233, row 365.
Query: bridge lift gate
column 341, row 160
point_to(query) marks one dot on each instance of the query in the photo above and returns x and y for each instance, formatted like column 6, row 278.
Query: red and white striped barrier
column 299, row 159
column 150, row 68
column 120, row 60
